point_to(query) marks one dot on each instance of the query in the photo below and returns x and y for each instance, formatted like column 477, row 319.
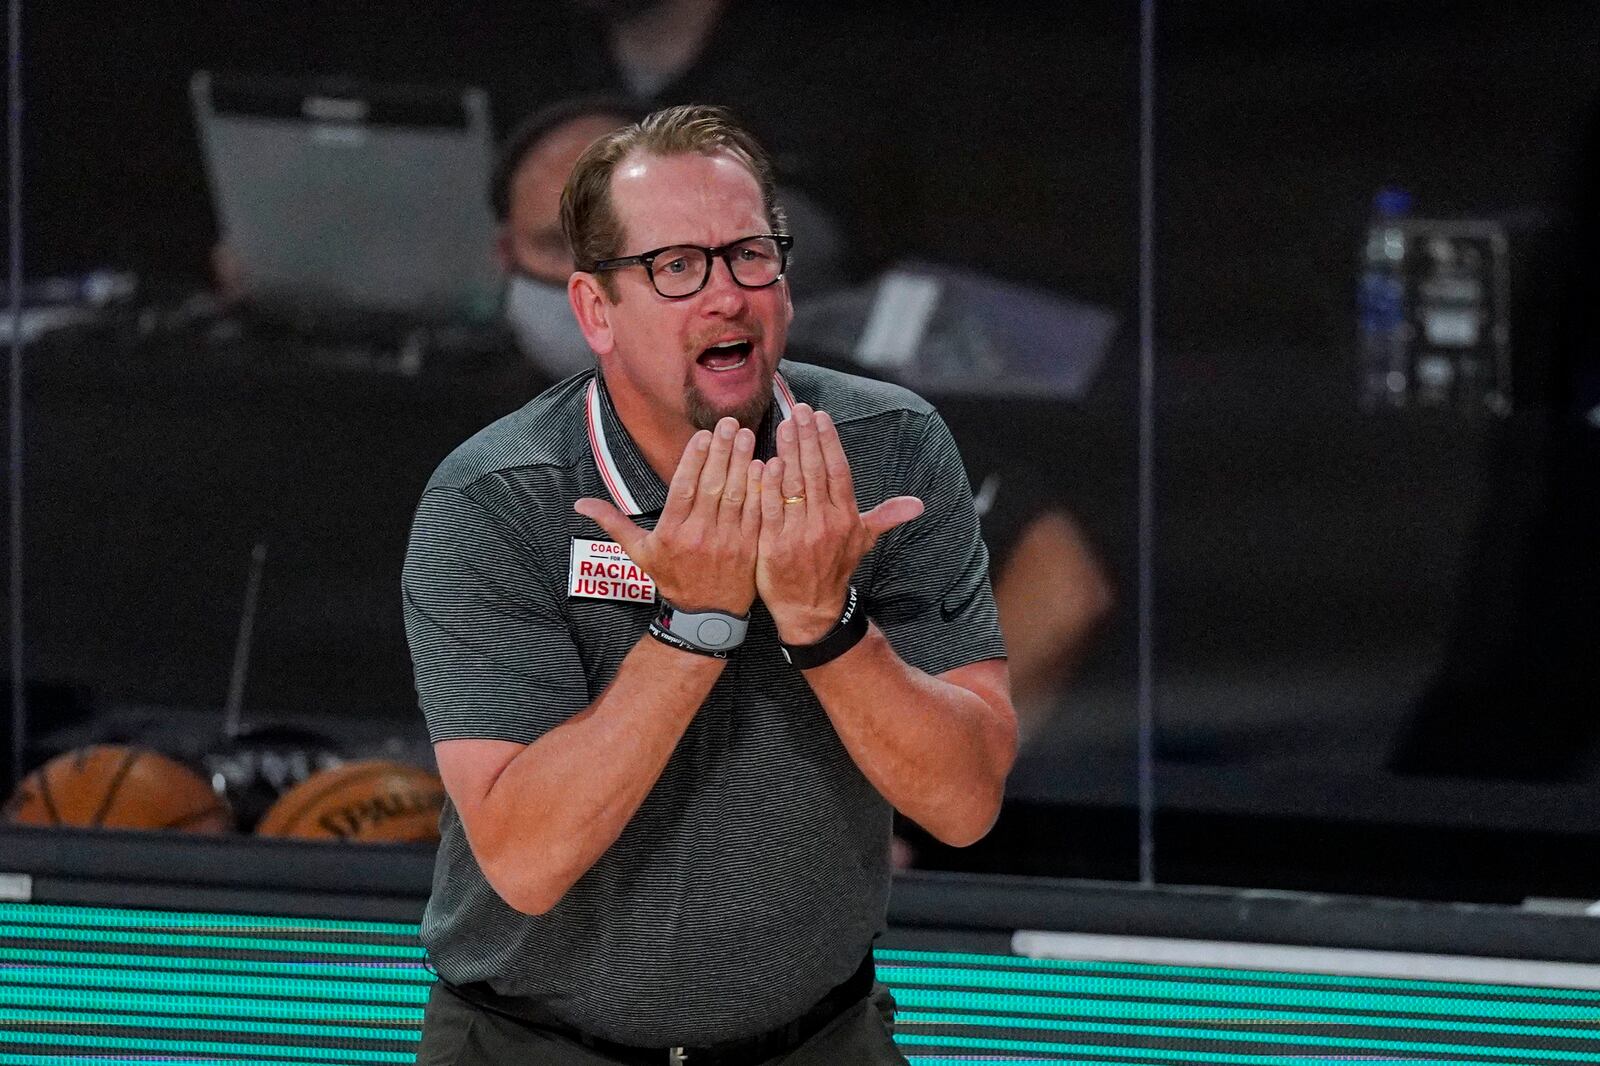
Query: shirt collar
column 634, row 486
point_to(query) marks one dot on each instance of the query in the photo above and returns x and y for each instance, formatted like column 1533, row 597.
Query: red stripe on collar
column 616, row 485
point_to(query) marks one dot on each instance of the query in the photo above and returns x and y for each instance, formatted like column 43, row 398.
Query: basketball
column 368, row 800
column 113, row 786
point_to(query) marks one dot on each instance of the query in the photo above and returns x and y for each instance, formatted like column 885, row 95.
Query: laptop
column 352, row 204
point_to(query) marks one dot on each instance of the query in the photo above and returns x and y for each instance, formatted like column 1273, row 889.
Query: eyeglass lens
column 681, row 271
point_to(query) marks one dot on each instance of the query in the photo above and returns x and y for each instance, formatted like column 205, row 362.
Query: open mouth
column 726, row 356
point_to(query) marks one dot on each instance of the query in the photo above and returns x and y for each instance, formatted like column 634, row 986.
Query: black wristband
column 665, row 636
column 845, row 634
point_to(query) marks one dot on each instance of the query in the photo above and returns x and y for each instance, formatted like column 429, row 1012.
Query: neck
column 661, row 436
column 661, row 445
column 658, row 44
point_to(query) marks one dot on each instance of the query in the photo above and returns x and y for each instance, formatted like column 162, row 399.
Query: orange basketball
column 367, row 800
column 113, row 786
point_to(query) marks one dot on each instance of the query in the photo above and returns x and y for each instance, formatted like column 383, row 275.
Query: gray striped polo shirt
column 755, row 875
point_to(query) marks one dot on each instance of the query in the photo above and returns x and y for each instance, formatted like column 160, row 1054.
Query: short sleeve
column 930, row 593
column 491, row 650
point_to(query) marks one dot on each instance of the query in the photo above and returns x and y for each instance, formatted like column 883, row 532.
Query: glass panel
column 1025, row 220
column 265, row 305
column 1370, row 600
column 290, row 299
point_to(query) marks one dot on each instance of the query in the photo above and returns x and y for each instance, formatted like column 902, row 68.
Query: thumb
column 896, row 510
column 605, row 515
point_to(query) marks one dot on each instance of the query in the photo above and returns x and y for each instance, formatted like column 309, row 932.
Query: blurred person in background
column 525, row 193
column 823, row 100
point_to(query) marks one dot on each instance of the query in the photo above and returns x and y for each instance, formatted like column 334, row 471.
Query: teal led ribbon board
column 108, row 985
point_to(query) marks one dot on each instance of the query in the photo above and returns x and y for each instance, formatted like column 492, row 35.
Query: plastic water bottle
column 1383, row 323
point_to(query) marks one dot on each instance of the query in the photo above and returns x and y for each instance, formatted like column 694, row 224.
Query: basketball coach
column 686, row 628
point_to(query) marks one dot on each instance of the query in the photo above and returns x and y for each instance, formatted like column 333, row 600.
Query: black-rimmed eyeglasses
column 680, row 270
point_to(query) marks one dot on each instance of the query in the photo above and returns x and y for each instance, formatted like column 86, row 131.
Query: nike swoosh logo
column 949, row 613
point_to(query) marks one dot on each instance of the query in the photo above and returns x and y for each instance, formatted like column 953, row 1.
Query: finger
column 681, row 492
column 841, row 489
column 897, row 510
column 714, row 474
column 812, row 472
column 750, row 515
column 618, row 525
column 737, row 489
column 789, row 452
column 772, row 504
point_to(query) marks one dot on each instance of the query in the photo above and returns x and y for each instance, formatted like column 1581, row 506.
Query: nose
column 722, row 295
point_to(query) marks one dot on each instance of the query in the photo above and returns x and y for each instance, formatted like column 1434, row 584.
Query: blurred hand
column 227, row 274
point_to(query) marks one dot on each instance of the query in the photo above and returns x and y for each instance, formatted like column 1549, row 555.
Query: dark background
column 1318, row 571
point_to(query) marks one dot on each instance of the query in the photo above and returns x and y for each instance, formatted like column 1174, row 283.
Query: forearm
column 938, row 752
column 564, row 799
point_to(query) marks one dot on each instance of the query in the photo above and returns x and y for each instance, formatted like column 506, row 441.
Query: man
column 667, row 831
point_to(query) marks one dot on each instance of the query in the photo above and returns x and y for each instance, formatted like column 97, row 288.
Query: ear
column 592, row 308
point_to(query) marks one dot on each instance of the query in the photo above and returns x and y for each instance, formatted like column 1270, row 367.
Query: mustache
column 750, row 330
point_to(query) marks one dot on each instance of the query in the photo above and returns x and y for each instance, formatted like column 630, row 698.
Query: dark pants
column 458, row 1033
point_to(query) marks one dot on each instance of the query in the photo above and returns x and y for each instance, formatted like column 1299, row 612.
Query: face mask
column 540, row 317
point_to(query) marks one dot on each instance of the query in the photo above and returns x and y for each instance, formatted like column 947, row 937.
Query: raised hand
column 812, row 536
column 702, row 553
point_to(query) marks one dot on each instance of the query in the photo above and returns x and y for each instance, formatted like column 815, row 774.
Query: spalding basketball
column 113, row 786
column 368, row 800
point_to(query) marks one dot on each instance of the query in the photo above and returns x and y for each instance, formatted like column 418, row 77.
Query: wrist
column 847, row 630
column 671, row 655
column 739, row 608
column 807, row 625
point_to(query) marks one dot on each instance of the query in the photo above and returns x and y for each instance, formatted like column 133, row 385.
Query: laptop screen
column 338, row 199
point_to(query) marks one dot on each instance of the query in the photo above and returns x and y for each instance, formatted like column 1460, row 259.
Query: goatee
column 704, row 416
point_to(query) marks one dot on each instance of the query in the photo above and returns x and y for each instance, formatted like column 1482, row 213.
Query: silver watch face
column 713, row 632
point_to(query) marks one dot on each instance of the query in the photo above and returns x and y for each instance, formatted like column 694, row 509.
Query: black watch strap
column 845, row 634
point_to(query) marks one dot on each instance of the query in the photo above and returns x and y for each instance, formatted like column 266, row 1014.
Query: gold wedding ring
column 794, row 499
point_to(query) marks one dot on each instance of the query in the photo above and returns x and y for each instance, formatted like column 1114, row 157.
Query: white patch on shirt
column 601, row 570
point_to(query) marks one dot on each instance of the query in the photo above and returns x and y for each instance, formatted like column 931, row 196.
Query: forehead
column 536, row 185
column 692, row 199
